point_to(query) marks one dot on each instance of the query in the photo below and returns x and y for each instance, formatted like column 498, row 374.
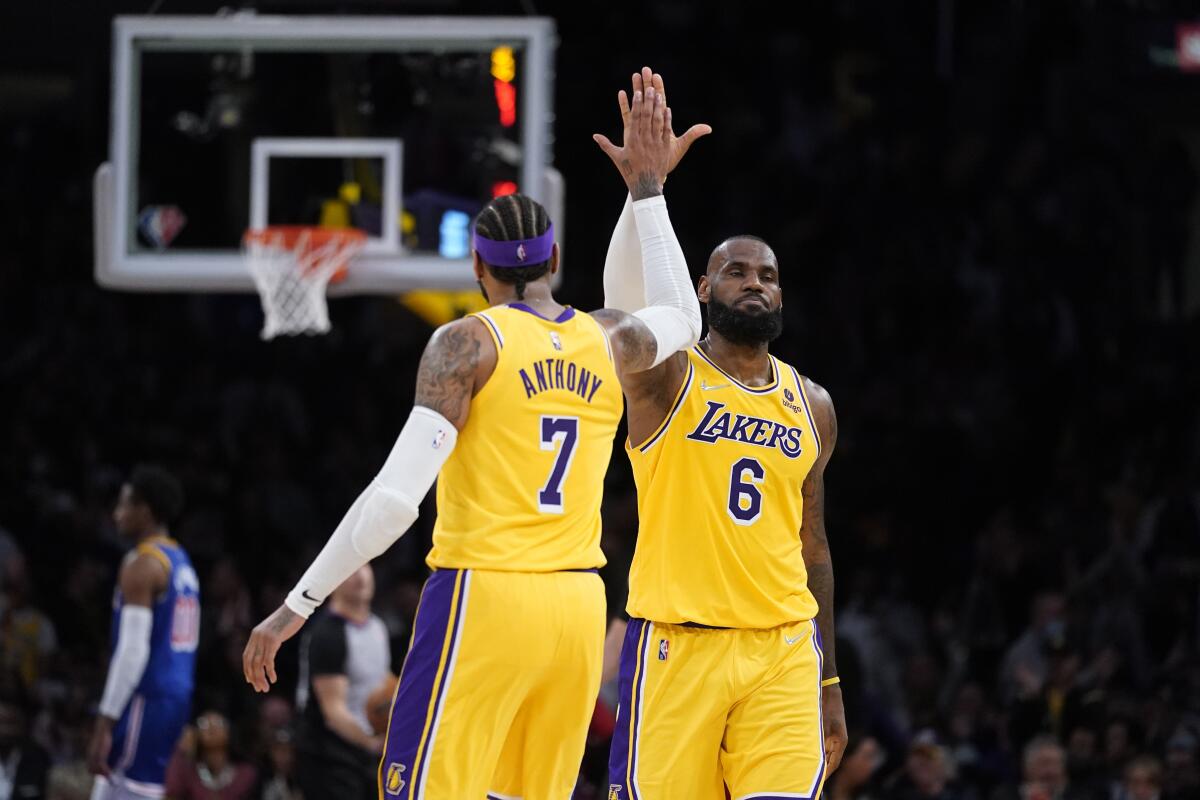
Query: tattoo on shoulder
column 447, row 372
column 633, row 342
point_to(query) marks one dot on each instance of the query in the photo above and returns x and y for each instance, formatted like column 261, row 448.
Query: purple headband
column 517, row 253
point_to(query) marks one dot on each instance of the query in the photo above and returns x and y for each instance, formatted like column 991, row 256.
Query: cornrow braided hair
column 506, row 219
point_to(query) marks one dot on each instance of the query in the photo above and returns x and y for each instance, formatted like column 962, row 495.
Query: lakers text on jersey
column 720, row 481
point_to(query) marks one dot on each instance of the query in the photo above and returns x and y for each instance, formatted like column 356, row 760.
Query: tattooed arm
column 819, row 563
column 649, row 388
column 457, row 362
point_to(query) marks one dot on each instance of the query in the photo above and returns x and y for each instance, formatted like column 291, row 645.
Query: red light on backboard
column 501, row 188
column 506, row 101
column 1187, row 46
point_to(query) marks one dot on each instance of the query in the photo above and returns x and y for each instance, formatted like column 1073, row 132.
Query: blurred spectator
column 1026, row 664
column 211, row 773
column 1084, row 769
column 23, row 765
column 27, row 635
column 853, row 779
column 928, row 773
column 1043, row 775
column 1143, row 780
column 280, row 783
column 1182, row 777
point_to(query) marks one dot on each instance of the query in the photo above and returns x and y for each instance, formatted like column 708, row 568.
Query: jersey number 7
column 556, row 430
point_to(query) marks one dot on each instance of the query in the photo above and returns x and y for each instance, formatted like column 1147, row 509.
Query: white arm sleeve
column 128, row 661
column 672, row 312
column 624, row 289
column 383, row 512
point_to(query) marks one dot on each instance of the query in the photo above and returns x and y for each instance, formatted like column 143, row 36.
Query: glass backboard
column 401, row 126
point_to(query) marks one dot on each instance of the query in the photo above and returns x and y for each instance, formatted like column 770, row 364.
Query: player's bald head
column 744, row 248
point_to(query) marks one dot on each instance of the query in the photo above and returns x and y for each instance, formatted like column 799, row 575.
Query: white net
column 291, row 269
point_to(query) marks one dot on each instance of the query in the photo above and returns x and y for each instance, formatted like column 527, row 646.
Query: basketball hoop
column 292, row 265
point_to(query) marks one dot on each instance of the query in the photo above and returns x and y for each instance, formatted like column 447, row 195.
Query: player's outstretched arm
column 647, row 343
column 457, row 362
column 671, row 322
column 142, row 578
column 819, row 563
column 623, row 285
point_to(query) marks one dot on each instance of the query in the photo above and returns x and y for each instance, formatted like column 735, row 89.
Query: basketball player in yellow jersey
column 516, row 408
column 727, row 676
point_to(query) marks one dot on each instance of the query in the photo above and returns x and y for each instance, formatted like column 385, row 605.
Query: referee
column 344, row 656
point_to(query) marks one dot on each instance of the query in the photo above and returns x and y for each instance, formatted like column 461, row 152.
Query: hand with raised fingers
column 679, row 144
column 645, row 155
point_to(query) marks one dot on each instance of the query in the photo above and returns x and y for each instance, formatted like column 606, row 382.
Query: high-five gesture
column 645, row 156
column 679, row 144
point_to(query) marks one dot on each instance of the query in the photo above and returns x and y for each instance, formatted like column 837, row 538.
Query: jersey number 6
column 555, row 430
column 745, row 500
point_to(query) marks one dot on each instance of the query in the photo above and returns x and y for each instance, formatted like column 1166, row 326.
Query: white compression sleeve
column 129, row 660
column 624, row 288
column 672, row 312
column 383, row 512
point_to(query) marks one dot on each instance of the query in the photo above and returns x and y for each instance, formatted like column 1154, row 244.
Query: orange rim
column 288, row 237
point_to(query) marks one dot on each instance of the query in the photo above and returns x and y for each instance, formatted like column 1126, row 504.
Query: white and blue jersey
column 144, row 737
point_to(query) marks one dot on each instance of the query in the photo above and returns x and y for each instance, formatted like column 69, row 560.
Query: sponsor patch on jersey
column 395, row 781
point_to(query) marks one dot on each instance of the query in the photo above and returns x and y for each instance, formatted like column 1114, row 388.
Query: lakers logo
column 720, row 424
column 395, row 783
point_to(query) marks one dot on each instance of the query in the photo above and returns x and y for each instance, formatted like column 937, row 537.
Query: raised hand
column 679, row 144
column 645, row 156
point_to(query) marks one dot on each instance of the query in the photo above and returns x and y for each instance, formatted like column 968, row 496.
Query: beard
column 745, row 327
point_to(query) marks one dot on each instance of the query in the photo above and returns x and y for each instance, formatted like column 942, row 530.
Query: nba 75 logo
column 614, row 791
column 395, row 783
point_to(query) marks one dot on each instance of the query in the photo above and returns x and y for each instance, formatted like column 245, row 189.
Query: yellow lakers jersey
column 720, row 505
column 522, row 489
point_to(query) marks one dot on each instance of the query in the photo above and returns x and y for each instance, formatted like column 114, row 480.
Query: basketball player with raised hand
column 516, row 409
column 156, row 628
column 728, row 680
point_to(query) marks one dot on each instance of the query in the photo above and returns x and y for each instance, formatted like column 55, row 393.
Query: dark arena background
column 987, row 223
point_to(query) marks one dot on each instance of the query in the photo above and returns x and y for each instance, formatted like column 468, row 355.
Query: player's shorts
column 143, row 741
column 498, row 687
column 705, row 708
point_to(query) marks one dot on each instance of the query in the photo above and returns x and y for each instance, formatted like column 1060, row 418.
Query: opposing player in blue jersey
column 156, row 627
